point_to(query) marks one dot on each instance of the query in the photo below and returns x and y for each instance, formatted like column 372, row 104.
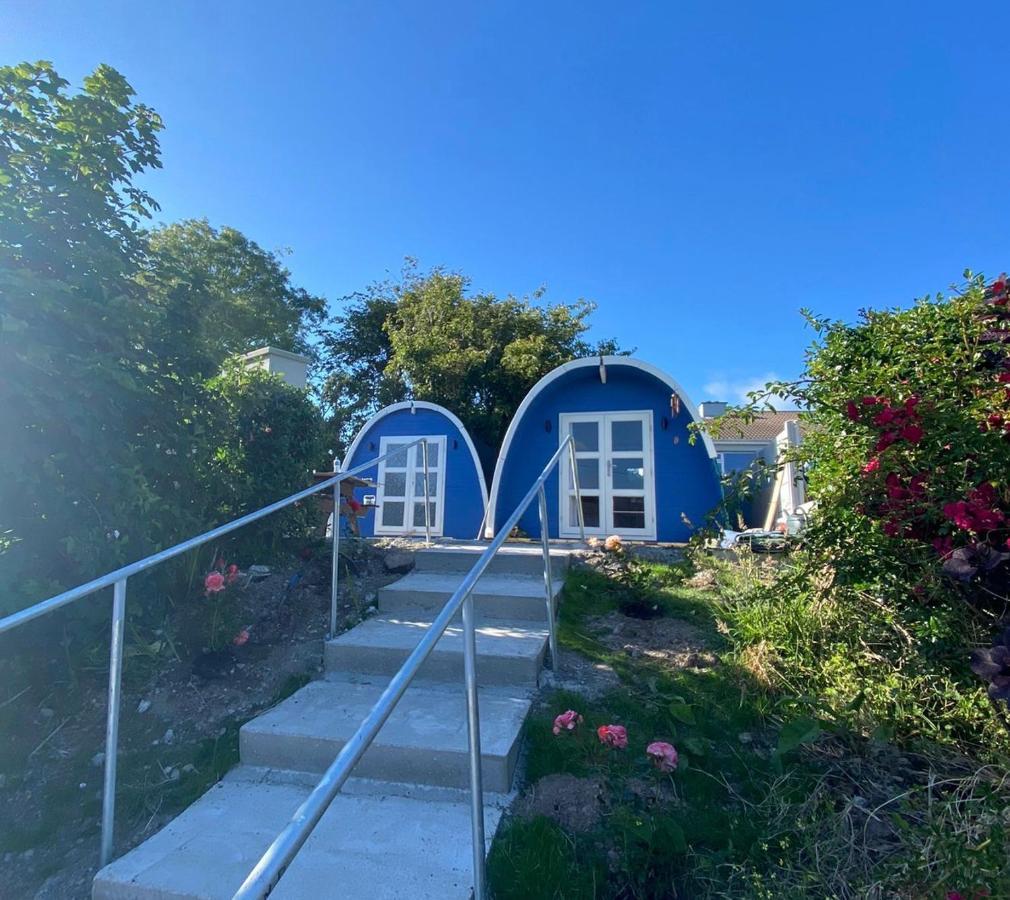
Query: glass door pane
column 587, row 431
column 629, row 474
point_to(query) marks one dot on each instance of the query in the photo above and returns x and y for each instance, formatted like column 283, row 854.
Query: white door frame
column 606, row 491
column 413, row 467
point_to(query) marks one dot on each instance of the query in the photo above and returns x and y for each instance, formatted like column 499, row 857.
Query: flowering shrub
column 905, row 567
column 215, row 583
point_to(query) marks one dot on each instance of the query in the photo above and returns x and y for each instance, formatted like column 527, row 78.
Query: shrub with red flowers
column 906, row 453
column 215, row 585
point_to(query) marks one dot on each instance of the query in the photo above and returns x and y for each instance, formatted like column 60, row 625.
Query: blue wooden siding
column 687, row 483
column 464, row 501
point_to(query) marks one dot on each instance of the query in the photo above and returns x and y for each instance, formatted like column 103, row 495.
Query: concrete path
column 401, row 827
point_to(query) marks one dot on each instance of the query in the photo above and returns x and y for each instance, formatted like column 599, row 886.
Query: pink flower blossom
column 872, row 466
column 567, row 721
column 241, row 638
column 613, row 543
column 613, row 735
column 231, row 574
column 213, row 583
column 663, row 755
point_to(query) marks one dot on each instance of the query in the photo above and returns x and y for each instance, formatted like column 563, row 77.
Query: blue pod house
column 640, row 475
column 457, row 489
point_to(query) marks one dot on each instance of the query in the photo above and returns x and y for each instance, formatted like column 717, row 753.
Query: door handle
column 610, row 468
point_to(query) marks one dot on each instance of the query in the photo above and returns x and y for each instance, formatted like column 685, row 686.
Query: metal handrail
column 118, row 579
column 278, row 856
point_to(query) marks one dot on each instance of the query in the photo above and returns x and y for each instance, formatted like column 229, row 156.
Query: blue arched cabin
column 457, row 489
column 640, row 475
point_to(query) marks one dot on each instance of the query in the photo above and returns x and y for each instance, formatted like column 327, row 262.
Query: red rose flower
column 852, row 411
column 912, row 433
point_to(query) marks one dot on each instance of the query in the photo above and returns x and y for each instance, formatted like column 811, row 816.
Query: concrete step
column 511, row 559
column 497, row 596
column 383, row 847
column 424, row 740
column 507, row 653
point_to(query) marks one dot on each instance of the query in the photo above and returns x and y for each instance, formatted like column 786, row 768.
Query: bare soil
column 672, row 642
column 183, row 703
column 576, row 804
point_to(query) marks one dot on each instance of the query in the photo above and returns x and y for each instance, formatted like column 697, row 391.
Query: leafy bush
column 906, row 452
column 268, row 439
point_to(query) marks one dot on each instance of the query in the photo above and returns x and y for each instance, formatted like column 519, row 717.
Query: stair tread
column 403, row 630
column 376, row 846
column 492, row 583
column 426, row 719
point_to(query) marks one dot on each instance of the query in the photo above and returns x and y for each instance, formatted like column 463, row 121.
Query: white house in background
column 740, row 445
column 292, row 367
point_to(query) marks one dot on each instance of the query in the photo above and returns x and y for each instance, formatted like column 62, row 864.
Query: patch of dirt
column 672, row 642
column 576, row 804
column 703, row 580
column 581, row 676
column 182, row 705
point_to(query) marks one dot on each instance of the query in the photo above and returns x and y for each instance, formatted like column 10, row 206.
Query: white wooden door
column 615, row 458
column 400, row 494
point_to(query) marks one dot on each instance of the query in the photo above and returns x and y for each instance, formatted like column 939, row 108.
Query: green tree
column 218, row 293
column 428, row 338
column 79, row 382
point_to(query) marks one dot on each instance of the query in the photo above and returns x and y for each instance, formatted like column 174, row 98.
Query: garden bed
column 764, row 801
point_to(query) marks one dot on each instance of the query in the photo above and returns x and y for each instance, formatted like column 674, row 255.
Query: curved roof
column 418, row 404
column 563, row 369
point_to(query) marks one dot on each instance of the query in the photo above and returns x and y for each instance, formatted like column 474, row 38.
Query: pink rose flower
column 613, row 735
column 241, row 638
column 213, row 583
column 231, row 574
column 663, row 755
column 567, row 721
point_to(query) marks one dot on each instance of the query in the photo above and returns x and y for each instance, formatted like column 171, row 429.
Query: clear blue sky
column 700, row 170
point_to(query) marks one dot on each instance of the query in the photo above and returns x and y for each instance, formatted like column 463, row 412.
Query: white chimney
column 292, row 367
column 712, row 409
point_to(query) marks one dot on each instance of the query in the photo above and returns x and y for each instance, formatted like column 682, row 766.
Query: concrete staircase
column 401, row 826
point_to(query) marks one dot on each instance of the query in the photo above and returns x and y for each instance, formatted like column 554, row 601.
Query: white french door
column 400, row 494
column 615, row 460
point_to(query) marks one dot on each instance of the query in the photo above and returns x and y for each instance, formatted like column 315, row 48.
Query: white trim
column 274, row 351
column 419, row 404
column 605, row 454
column 412, row 466
column 553, row 375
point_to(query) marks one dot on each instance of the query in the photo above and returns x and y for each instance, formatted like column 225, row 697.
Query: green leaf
column 681, row 712
column 796, row 733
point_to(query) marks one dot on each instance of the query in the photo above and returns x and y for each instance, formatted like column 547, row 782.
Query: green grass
column 744, row 815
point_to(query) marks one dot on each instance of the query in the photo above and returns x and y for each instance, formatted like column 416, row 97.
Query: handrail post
column 545, row 540
column 335, row 580
column 473, row 731
column 427, row 504
column 575, row 487
column 112, row 720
